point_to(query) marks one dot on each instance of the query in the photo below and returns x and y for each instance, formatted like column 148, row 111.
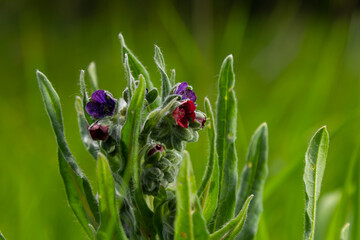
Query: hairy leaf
column 315, row 161
column 136, row 67
column 91, row 145
column 165, row 81
column 252, row 180
column 110, row 226
column 209, row 188
column 189, row 222
column 225, row 143
column 233, row 227
column 2, row 237
column 78, row 189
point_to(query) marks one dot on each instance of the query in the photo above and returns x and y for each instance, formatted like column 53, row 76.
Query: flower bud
column 199, row 122
column 151, row 180
column 99, row 132
column 154, row 153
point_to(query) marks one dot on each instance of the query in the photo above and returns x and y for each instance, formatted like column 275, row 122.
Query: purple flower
column 101, row 104
column 184, row 92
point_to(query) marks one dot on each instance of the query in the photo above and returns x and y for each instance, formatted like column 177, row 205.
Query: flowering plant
column 145, row 183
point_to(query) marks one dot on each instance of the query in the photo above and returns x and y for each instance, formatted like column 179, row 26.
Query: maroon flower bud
column 99, row 132
column 155, row 149
column 201, row 120
column 184, row 113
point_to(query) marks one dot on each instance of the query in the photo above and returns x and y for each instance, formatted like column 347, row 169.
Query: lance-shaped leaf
column 345, row 232
column 172, row 77
column 225, row 143
column 209, row 188
column 129, row 77
column 189, row 222
column 136, row 66
column 315, row 162
column 233, row 227
column 91, row 145
column 93, row 77
column 165, row 81
column 84, row 97
column 110, row 226
column 253, row 178
column 131, row 131
column 78, row 189
column 2, row 237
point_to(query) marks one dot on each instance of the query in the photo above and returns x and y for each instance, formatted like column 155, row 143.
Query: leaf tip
column 121, row 38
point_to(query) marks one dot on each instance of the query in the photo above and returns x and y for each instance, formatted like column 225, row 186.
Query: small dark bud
column 154, row 153
column 156, row 148
column 199, row 122
column 99, row 132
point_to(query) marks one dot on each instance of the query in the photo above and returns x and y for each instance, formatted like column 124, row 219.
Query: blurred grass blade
column 93, row 77
column 84, row 97
column 315, row 161
column 85, row 211
column 136, row 67
column 2, row 237
column 189, row 222
column 78, row 189
column 226, row 117
column 209, row 188
column 253, row 178
column 233, row 227
column 345, row 232
column 172, row 77
column 91, row 145
column 131, row 131
column 165, row 81
column 110, row 226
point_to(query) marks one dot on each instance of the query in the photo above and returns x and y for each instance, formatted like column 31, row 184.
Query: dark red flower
column 184, row 113
column 99, row 132
column 156, row 148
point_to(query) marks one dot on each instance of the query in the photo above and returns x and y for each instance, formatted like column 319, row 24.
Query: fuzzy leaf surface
column 233, row 227
column 209, row 188
column 110, row 226
column 93, row 77
column 78, row 189
column 345, row 232
column 252, row 180
column 226, row 117
column 165, row 81
column 315, row 162
column 189, row 222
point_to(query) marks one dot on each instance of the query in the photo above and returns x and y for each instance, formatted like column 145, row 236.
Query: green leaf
column 78, row 189
column 93, row 77
column 2, row 237
column 130, row 79
column 160, row 63
column 345, row 232
column 233, row 227
column 189, row 222
column 172, row 77
column 209, row 188
column 110, row 226
column 226, row 118
column 154, row 117
column 84, row 97
column 91, row 145
column 315, row 161
column 252, row 181
column 79, row 194
column 131, row 130
column 136, row 67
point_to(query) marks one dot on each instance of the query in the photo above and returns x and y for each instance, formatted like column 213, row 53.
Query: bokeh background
column 297, row 66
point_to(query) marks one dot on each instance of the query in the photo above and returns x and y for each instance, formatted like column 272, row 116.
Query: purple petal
column 181, row 88
column 190, row 94
column 99, row 96
column 95, row 109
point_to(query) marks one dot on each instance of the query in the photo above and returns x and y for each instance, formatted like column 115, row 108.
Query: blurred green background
column 297, row 67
